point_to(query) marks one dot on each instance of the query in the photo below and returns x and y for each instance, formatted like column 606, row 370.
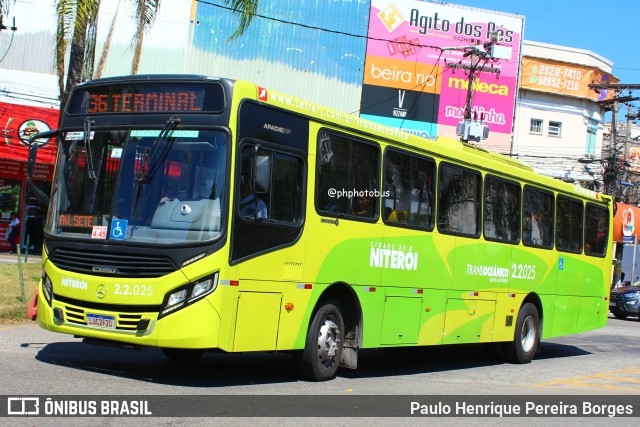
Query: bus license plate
column 101, row 321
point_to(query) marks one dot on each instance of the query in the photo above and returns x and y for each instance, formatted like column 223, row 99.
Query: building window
column 555, row 129
column 592, row 129
column 536, row 127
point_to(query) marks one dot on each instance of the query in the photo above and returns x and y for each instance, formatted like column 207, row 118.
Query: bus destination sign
column 187, row 101
column 147, row 98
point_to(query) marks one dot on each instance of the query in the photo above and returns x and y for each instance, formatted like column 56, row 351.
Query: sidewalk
column 7, row 258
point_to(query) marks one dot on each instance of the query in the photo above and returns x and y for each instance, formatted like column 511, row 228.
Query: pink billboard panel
column 419, row 50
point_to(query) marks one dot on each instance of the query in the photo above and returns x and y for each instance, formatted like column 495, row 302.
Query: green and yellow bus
column 193, row 213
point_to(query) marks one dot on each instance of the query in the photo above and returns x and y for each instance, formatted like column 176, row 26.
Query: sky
column 584, row 24
column 608, row 29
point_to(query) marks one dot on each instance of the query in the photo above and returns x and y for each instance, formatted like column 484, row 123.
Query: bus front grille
column 111, row 264
column 124, row 321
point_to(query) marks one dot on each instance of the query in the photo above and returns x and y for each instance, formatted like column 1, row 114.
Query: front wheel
column 323, row 346
column 526, row 337
column 620, row 316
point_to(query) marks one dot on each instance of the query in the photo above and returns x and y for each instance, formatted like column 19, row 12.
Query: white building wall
column 565, row 156
column 566, row 54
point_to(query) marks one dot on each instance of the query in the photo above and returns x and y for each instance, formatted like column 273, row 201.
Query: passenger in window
column 362, row 206
column 250, row 205
column 536, row 231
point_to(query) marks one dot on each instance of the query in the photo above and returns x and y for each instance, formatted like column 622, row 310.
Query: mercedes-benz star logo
column 101, row 292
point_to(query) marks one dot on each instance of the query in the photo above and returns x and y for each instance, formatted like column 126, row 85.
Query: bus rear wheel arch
column 342, row 297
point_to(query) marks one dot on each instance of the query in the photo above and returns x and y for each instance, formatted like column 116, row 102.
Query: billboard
column 414, row 75
column 546, row 75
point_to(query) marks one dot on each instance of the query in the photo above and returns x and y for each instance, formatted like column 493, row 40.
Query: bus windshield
column 146, row 186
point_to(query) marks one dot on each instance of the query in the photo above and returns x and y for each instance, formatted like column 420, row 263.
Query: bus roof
column 444, row 147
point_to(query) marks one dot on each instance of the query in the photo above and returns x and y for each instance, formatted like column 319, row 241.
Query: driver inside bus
column 250, row 205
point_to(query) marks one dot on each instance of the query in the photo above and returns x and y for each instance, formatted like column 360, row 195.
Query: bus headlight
column 188, row 294
column 47, row 288
column 203, row 287
column 176, row 298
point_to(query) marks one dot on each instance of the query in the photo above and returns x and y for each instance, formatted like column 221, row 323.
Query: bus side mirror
column 33, row 154
column 33, row 150
column 263, row 173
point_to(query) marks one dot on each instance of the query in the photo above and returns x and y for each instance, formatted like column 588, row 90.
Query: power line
column 313, row 27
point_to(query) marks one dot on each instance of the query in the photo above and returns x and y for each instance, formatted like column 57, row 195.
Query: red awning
column 18, row 123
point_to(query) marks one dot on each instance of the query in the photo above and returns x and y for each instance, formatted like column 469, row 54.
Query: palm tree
column 75, row 18
column 146, row 12
column 107, row 44
column 77, row 21
column 244, row 10
column 5, row 5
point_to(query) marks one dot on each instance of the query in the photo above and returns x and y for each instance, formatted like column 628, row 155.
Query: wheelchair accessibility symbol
column 118, row 229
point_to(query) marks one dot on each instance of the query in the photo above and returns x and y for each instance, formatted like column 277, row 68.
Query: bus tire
column 183, row 354
column 526, row 337
column 323, row 346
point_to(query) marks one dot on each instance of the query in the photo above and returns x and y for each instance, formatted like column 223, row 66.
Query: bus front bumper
column 195, row 326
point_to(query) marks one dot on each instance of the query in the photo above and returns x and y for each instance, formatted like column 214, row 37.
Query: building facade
column 559, row 124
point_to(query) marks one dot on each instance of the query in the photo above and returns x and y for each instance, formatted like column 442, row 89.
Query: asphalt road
column 602, row 362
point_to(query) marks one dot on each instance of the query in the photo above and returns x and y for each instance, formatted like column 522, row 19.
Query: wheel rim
column 328, row 342
column 528, row 334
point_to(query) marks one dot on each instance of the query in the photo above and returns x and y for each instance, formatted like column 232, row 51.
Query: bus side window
column 569, row 219
column 459, row 199
column 596, row 230
column 408, row 197
column 537, row 217
column 501, row 210
column 346, row 180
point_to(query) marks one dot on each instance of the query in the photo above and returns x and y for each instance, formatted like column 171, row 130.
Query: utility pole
column 471, row 128
column 627, row 149
column 474, row 68
column 610, row 177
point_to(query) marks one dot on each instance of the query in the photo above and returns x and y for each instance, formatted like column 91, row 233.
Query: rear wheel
column 323, row 347
column 526, row 337
column 183, row 354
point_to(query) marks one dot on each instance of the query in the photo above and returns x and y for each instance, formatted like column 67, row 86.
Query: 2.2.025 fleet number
column 135, row 290
column 523, row 271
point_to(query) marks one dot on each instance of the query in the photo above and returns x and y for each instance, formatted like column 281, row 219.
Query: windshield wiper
column 91, row 172
column 149, row 166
